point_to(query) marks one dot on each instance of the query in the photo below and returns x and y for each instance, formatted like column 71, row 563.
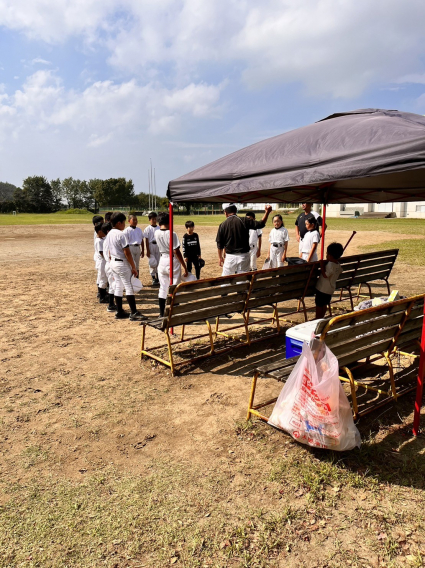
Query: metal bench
column 376, row 333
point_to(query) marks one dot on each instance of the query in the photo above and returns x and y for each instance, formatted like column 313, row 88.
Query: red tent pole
column 420, row 386
column 322, row 250
column 170, row 212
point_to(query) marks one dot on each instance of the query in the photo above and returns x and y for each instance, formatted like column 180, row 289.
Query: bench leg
column 391, row 371
column 353, row 391
column 388, row 286
column 170, row 353
column 358, row 292
column 304, row 309
column 370, row 290
column 211, row 336
column 276, row 317
column 251, row 396
column 217, row 323
column 143, row 342
column 182, row 334
column 351, row 299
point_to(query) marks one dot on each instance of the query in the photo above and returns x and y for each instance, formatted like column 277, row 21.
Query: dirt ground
column 77, row 400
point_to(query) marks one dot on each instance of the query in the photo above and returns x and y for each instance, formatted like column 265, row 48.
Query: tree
column 56, row 186
column 6, row 191
column 37, row 195
column 115, row 192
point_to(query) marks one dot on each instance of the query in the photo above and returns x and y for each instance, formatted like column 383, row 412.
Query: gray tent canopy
column 368, row 155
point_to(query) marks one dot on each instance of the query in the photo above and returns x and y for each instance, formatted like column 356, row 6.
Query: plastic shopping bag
column 313, row 407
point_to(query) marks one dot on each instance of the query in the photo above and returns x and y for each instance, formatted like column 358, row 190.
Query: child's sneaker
column 122, row 315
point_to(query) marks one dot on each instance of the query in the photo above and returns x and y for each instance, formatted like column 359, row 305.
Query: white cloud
column 41, row 61
column 332, row 47
column 106, row 107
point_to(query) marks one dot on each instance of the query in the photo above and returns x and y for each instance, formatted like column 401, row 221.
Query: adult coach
column 300, row 228
column 233, row 238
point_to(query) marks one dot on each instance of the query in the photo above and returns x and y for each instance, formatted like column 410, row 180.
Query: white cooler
column 296, row 336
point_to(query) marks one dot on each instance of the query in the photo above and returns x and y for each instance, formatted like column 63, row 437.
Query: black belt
column 119, row 259
column 153, row 242
column 277, row 244
column 136, row 245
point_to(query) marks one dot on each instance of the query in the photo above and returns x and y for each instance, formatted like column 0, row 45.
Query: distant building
column 414, row 209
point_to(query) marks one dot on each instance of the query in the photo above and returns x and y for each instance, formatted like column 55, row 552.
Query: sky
column 98, row 88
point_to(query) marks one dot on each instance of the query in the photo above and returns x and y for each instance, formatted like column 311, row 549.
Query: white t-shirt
column 117, row 242
column 134, row 235
column 106, row 248
column 309, row 238
column 328, row 285
column 163, row 241
column 253, row 236
column 279, row 235
column 98, row 247
column 149, row 233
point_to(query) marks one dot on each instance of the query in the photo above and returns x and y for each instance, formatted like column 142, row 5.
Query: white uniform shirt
column 279, row 235
column 328, row 285
column 98, row 247
column 309, row 238
column 106, row 248
column 117, row 241
column 134, row 235
column 253, row 236
column 149, row 233
column 163, row 241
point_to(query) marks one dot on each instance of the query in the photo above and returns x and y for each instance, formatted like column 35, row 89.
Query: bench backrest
column 361, row 334
column 190, row 302
column 282, row 284
column 361, row 268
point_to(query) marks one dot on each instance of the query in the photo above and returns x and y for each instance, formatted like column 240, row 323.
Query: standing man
column 300, row 228
column 233, row 238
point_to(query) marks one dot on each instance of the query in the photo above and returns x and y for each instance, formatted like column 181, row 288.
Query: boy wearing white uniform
column 123, row 267
column 163, row 240
column 106, row 228
column 278, row 240
column 255, row 240
column 152, row 250
column 102, row 280
column 96, row 219
column 326, row 284
column 135, row 240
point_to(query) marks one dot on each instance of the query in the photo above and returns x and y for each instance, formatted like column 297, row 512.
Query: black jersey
column 300, row 221
column 191, row 245
column 233, row 234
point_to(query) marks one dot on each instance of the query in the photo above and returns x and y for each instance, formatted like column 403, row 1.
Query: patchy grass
column 411, row 252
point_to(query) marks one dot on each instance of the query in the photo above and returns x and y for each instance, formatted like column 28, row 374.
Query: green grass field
column 400, row 226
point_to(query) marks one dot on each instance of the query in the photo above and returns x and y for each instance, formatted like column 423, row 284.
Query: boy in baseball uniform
column 135, row 237
column 102, row 280
column 106, row 228
column 152, row 250
column 123, row 267
column 163, row 241
column 255, row 240
column 96, row 219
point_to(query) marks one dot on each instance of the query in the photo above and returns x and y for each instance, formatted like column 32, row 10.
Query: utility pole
column 154, row 185
column 149, row 192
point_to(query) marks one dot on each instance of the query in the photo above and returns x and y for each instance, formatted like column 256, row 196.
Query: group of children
column 118, row 250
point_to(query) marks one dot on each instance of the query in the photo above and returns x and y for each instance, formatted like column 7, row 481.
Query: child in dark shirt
column 192, row 249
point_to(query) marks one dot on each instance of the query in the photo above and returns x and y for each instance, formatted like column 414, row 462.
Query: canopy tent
column 367, row 155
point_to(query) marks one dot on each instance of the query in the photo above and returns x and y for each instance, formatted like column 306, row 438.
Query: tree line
column 38, row 195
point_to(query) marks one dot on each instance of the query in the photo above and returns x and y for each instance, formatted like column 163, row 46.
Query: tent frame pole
column 171, row 229
column 420, row 382
column 322, row 248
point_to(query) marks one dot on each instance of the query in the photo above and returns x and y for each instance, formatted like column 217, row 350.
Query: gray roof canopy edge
column 373, row 155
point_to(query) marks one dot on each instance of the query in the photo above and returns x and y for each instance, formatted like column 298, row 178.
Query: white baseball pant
column 154, row 251
column 110, row 276
column 236, row 263
column 122, row 275
column 164, row 274
column 135, row 253
column 276, row 256
column 253, row 257
column 102, row 279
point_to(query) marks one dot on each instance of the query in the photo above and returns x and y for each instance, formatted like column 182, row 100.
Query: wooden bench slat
column 289, row 270
column 206, row 303
column 201, row 315
column 210, row 292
